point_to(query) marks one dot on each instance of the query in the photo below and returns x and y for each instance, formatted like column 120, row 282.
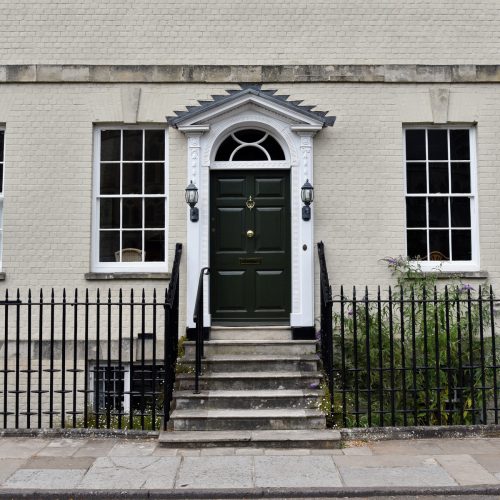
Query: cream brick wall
column 359, row 203
column 249, row 32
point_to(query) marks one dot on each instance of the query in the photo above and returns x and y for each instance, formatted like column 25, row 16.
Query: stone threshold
column 331, row 73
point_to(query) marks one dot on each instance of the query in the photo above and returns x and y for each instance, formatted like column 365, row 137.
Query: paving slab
column 296, row 471
column 490, row 462
column 133, row 448
column 384, row 461
column 401, row 447
column 358, row 451
column 215, row 472
column 467, row 446
column 62, row 447
column 465, row 470
column 58, row 463
column 21, row 447
column 96, row 448
column 8, row 466
column 424, row 475
column 41, row 479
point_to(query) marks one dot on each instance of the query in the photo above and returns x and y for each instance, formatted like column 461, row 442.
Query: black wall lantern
column 192, row 200
column 307, row 195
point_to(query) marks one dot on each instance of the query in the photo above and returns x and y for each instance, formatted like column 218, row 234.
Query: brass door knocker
column 250, row 203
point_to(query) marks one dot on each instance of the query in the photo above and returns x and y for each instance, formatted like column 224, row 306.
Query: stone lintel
column 362, row 73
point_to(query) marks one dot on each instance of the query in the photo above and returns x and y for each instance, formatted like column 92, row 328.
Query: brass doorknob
column 250, row 234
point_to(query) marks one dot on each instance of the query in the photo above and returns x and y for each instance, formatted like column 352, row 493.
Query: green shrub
column 447, row 376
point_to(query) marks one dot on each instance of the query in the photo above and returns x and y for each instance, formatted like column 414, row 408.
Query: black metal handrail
column 198, row 320
column 171, row 341
column 326, row 332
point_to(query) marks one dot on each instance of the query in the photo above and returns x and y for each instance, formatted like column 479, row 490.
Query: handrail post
column 198, row 320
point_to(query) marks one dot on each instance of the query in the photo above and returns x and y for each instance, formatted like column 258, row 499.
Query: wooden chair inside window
column 436, row 255
column 129, row 255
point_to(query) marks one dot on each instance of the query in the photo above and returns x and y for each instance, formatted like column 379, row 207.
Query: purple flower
column 314, row 385
column 349, row 312
column 466, row 288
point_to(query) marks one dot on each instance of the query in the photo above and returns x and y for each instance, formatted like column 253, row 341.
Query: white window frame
column 457, row 265
column 2, row 164
column 124, row 267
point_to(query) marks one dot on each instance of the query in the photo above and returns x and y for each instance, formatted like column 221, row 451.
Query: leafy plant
column 432, row 337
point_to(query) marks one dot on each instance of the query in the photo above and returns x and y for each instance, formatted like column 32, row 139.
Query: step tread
column 284, row 413
column 253, row 375
column 284, row 436
column 271, row 393
column 255, row 327
column 253, row 342
column 254, row 357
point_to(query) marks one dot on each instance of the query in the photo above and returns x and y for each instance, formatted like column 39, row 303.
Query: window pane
column 460, row 177
column 439, row 245
column 132, row 212
column 225, row 149
column 155, row 212
column 415, row 212
column 109, row 244
column 459, row 145
column 249, row 135
column 417, row 244
column 461, row 245
column 110, row 178
column 132, row 145
column 438, row 212
column 438, row 178
column 132, row 178
column 415, row 144
column 155, row 145
column 460, row 212
column 154, row 242
column 2, row 137
column 416, row 181
column 131, row 240
column 154, row 182
column 109, row 211
column 110, row 145
column 271, row 145
column 250, row 153
column 1, row 177
column 438, row 144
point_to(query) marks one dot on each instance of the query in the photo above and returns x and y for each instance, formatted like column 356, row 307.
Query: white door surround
column 294, row 130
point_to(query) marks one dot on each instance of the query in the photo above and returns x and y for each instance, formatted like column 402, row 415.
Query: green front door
column 250, row 247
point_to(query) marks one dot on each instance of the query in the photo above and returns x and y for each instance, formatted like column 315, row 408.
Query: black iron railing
column 104, row 360
column 411, row 355
column 198, row 320
column 326, row 326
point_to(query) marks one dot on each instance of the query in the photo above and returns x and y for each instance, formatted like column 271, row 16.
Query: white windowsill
column 104, row 276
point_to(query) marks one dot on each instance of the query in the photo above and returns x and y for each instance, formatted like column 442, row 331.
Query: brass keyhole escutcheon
column 250, row 203
column 250, row 234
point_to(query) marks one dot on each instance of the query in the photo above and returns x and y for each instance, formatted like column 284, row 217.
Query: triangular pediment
column 207, row 111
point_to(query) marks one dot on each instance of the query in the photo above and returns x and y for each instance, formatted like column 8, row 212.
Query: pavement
column 101, row 467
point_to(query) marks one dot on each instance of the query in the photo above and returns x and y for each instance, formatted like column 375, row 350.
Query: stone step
column 235, row 362
column 250, row 333
column 250, row 380
column 312, row 439
column 218, row 420
column 250, row 347
column 187, row 400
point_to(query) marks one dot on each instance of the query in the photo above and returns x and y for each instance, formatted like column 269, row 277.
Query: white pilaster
column 303, row 311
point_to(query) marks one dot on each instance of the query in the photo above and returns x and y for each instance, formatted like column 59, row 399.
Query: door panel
column 269, row 287
column 250, row 278
column 229, row 241
column 269, row 223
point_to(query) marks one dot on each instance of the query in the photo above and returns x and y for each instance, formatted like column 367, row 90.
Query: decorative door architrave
column 294, row 129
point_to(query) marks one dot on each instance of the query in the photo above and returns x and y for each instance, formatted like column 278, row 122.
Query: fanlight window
column 249, row 145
